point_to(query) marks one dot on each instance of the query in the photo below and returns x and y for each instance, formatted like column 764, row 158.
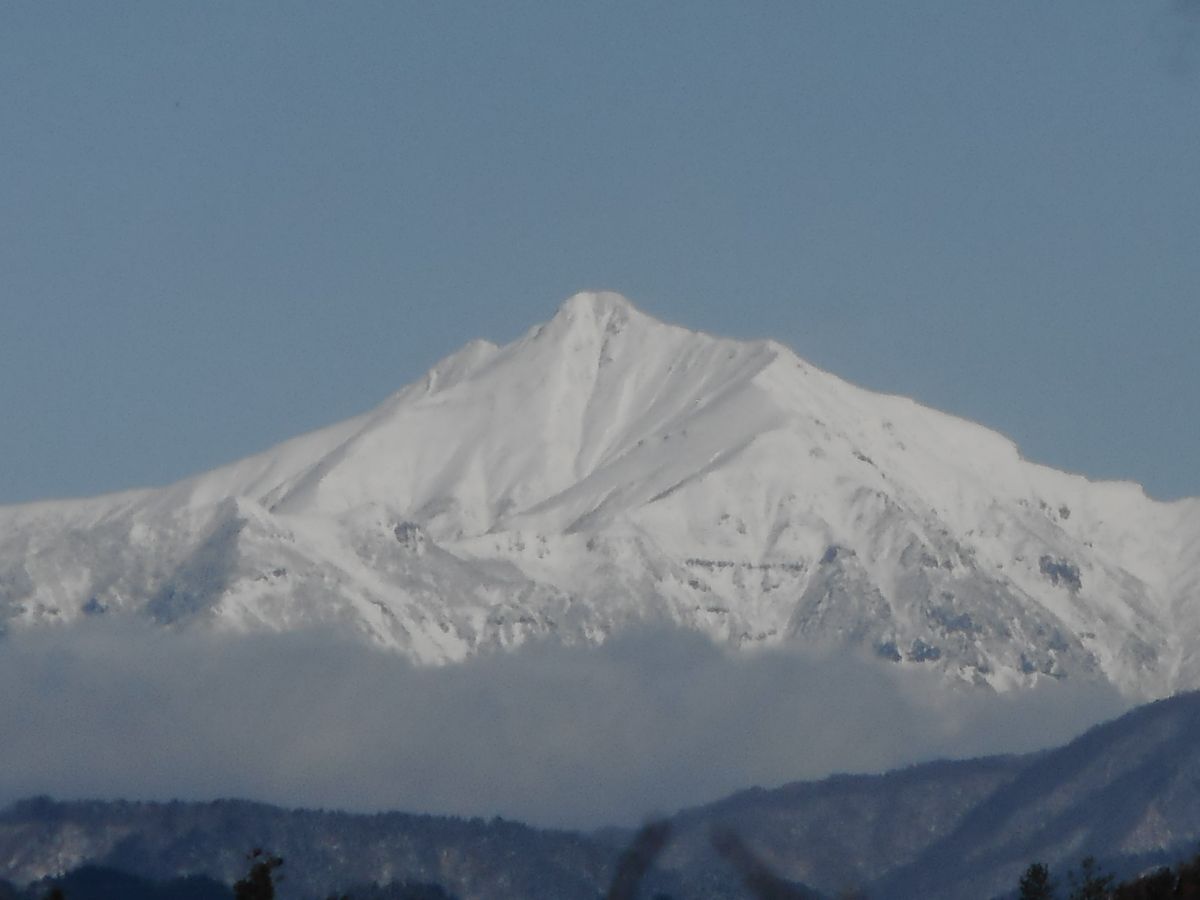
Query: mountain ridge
column 606, row 468
column 942, row 829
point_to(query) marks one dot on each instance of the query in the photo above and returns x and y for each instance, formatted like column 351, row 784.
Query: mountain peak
column 597, row 304
column 607, row 467
column 594, row 312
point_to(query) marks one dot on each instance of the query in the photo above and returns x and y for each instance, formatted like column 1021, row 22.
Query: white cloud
column 570, row 736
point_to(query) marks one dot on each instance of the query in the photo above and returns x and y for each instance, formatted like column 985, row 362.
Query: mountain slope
column 607, row 469
column 1127, row 792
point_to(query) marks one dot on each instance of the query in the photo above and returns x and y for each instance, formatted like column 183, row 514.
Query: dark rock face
column 1061, row 572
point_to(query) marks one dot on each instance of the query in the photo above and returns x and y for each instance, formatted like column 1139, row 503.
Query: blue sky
column 223, row 224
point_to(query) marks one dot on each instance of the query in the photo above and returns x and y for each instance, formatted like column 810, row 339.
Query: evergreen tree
column 1035, row 883
column 258, row 883
column 1157, row 885
column 1091, row 883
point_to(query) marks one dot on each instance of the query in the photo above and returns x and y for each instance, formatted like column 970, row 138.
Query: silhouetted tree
column 1180, row 883
column 1035, row 883
column 1188, row 886
column 1091, row 883
column 258, row 883
column 1157, row 885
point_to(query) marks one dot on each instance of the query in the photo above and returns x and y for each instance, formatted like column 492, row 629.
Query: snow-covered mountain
column 607, row 469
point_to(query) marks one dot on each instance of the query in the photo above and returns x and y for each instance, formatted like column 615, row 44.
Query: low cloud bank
column 648, row 723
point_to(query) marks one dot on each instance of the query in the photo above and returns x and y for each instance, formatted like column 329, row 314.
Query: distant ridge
column 1126, row 792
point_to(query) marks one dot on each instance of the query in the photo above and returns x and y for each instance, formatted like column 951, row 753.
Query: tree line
column 1091, row 882
column 1087, row 882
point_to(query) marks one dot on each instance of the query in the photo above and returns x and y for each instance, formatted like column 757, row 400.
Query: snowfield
column 608, row 469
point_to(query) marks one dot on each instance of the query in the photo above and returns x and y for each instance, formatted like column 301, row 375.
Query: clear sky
column 222, row 224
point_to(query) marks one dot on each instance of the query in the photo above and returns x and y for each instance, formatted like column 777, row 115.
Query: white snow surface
column 608, row 469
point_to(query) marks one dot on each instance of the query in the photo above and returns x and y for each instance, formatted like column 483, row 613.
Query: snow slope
column 607, row 468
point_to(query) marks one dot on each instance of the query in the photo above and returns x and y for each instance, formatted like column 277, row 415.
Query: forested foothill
column 757, row 880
